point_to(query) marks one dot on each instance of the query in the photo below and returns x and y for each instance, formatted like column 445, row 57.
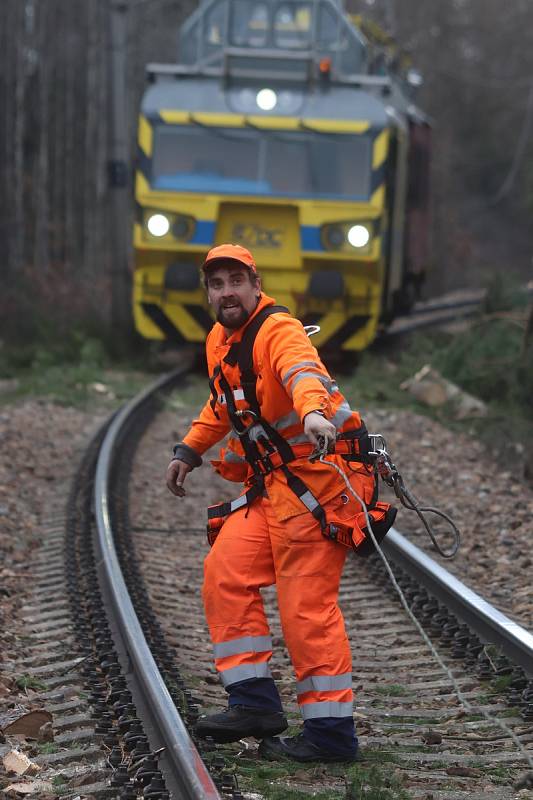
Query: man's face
column 233, row 292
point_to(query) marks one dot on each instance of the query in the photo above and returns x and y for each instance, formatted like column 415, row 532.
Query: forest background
column 57, row 232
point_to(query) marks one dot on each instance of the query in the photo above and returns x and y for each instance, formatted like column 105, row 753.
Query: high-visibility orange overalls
column 276, row 531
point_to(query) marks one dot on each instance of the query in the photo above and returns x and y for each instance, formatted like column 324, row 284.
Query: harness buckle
column 378, row 444
column 263, row 465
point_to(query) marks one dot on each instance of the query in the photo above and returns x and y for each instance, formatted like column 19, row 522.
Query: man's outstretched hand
column 177, row 471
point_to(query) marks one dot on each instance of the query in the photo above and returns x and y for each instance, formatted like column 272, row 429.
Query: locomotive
column 290, row 129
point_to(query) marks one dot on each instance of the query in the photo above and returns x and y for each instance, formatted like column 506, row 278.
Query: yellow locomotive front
column 256, row 139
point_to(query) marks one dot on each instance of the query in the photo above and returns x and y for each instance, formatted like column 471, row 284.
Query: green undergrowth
column 492, row 360
column 370, row 778
column 47, row 748
column 30, row 682
column 392, row 690
column 77, row 370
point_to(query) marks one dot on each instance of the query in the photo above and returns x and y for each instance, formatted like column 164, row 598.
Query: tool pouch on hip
column 354, row 533
column 214, row 523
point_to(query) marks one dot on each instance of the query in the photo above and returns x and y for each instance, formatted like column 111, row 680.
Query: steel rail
column 185, row 773
column 490, row 624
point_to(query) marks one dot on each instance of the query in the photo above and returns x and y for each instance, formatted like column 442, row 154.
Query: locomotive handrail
column 178, row 70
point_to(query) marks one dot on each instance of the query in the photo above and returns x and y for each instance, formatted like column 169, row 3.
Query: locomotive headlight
column 158, row 225
column 345, row 237
column 266, row 99
column 358, row 235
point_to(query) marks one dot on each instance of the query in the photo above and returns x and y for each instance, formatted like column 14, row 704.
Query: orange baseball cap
column 233, row 252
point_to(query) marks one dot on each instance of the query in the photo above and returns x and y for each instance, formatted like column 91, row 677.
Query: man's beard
column 234, row 323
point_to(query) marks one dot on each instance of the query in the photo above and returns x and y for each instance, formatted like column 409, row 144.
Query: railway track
column 116, row 699
column 453, row 307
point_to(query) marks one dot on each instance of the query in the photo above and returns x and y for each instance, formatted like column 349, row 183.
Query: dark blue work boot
column 237, row 722
column 299, row 748
column 328, row 739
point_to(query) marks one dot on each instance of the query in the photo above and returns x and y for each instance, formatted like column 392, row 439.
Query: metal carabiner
column 244, row 412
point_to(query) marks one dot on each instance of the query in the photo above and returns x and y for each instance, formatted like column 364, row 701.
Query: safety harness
column 266, row 449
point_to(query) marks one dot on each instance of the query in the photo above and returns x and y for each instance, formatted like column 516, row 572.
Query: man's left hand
column 315, row 426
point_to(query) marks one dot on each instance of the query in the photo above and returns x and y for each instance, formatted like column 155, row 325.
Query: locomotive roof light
column 358, row 236
column 266, row 99
column 158, row 225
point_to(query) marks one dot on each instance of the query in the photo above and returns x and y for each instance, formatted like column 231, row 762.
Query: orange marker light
column 324, row 66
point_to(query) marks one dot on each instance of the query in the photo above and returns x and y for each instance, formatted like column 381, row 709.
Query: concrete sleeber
column 52, row 605
column 43, row 657
column 77, row 735
column 49, row 594
column 57, row 681
column 51, row 582
column 70, row 721
column 450, row 794
column 47, row 616
column 64, row 706
column 69, row 755
column 41, row 647
column 471, row 759
column 48, row 573
column 96, row 790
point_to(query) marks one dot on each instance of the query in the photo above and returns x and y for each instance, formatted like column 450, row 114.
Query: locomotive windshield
column 253, row 161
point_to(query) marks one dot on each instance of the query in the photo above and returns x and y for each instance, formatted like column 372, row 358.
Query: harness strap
column 246, row 499
column 245, row 356
column 306, row 496
column 213, row 390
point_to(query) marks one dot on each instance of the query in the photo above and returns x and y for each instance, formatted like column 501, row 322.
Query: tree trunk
column 17, row 229
column 41, row 187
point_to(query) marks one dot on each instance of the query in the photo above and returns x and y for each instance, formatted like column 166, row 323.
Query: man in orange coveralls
column 275, row 532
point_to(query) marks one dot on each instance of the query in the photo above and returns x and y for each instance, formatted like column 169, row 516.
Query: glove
column 320, row 430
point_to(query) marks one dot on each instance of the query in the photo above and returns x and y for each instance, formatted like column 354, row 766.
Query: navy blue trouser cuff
column 334, row 734
column 255, row 692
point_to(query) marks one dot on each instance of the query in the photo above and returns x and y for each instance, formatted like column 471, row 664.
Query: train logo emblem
column 257, row 236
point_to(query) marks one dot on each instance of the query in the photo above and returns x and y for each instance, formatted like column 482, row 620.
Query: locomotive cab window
column 249, row 24
column 276, row 163
column 292, row 26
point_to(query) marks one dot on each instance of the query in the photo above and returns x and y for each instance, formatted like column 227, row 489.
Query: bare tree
column 42, row 171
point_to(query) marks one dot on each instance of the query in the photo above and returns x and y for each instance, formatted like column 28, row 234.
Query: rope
column 391, row 476
column 466, row 704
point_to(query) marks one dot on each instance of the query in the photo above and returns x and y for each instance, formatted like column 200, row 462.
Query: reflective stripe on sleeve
column 325, row 683
column 290, row 372
column 245, row 644
column 284, row 422
column 327, row 709
column 343, row 413
column 326, row 382
column 245, row 672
